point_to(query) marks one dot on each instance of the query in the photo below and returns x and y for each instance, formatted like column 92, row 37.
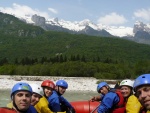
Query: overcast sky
column 109, row 12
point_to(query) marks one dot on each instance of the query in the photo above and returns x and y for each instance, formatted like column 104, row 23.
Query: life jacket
column 133, row 105
column 7, row 110
column 148, row 111
column 120, row 107
column 42, row 106
column 10, row 105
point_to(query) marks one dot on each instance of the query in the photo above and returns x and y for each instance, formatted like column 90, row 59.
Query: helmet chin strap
column 14, row 104
column 44, row 92
column 58, row 92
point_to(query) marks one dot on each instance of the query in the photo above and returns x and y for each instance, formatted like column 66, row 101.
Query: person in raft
column 37, row 93
column 21, row 94
column 57, row 103
column 141, row 88
column 132, row 103
column 112, row 101
column 98, row 97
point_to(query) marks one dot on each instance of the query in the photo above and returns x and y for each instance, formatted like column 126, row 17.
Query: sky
column 108, row 12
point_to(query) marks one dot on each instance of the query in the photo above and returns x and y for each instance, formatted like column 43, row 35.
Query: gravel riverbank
column 75, row 83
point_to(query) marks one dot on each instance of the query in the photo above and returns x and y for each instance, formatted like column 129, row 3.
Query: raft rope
column 95, row 109
column 89, row 106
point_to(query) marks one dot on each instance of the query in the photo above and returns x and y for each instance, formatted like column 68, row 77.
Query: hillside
column 20, row 40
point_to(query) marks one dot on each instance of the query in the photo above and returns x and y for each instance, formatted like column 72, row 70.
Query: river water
column 69, row 95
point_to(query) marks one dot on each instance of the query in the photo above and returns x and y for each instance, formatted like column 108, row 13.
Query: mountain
column 85, row 25
column 21, row 40
column 142, row 32
column 14, row 27
column 139, row 33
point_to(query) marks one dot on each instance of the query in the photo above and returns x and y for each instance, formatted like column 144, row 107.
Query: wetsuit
column 56, row 100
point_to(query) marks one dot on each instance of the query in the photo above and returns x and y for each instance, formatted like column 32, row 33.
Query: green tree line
column 75, row 68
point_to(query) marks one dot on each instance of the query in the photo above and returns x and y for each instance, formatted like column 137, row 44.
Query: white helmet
column 37, row 89
column 127, row 82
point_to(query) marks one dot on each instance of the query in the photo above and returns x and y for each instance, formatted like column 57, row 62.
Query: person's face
column 48, row 91
column 143, row 94
column 61, row 89
column 104, row 90
column 126, row 91
column 35, row 98
column 22, row 100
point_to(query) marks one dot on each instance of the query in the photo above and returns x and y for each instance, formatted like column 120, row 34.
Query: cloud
column 143, row 14
column 52, row 10
column 22, row 10
column 112, row 19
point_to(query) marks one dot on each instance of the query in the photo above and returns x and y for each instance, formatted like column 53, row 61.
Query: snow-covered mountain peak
column 76, row 25
column 84, row 24
column 137, row 23
column 140, row 26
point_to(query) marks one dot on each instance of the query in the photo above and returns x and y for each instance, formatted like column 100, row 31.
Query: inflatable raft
column 85, row 106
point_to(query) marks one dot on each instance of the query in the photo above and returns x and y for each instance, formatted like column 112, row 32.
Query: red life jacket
column 7, row 110
column 120, row 107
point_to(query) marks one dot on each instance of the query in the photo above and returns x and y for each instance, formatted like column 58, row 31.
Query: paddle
column 95, row 108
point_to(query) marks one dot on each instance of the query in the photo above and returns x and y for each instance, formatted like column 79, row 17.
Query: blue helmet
column 100, row 85
column 21, row 86
column 62, row 83
column 141, row 80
